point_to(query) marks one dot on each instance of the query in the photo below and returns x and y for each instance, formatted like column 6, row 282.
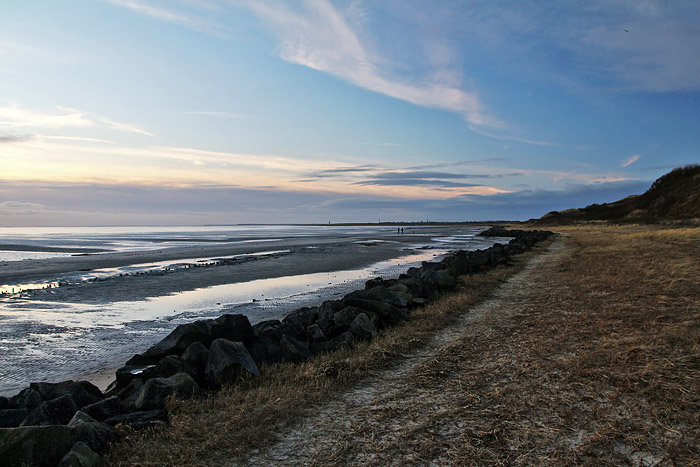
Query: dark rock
column 80, row 455
column 140, row 419
column 363, row 328
column 345, row 316
column 141, row 360
column 196, row 357
column 294, row 328
column 105, row 408
column 6, row 404
column 35, row 445
column 269, row 328
column 172, row 364
column 156, row 391
column 265, row 350
column 293, row 350
column 10, row 418
column 127, row 394
column 50, row 391
column 128, row 373
column 343, row 341
column 83, row 393
column 28, row 399
column 57, row 411
column 236, row 327
column 384, row 295
column 314, row 333
column 226, row 361
column 374, row 282
column 304, row 316
column 329, row 308
column 95, row 434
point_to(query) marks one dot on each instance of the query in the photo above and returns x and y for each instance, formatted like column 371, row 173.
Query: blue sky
column 234, row 111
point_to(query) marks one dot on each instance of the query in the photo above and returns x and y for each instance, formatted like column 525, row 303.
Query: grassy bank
column 594, row 361
column 240, row 418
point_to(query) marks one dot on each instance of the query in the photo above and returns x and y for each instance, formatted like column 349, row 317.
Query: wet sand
column 37, row 348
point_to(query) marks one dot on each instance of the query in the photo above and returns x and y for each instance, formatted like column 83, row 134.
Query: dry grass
column 589, row 358
column 229, row 425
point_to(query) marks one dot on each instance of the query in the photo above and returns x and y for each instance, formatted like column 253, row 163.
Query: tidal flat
column 81, row 315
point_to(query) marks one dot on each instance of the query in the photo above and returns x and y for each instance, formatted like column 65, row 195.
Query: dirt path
column 399, row 416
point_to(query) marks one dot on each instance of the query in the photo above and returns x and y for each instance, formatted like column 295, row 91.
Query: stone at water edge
column 226, row 361
column 362, row 327
column 80, row 455
column 155, row 391
column 10, row 418
column 57, row 411
column 95, row 434
column 105, row 408
column 293, row 350
column 35, row 445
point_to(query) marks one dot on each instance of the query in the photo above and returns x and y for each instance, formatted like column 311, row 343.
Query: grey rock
column 345, row 316
column 343, row 341
column 57, row 411
column 95, row 434
column 265, row 350
column 293, row 350
column 10, row 418
column 35, row 445
column 226, row 361
column 362, row 327
column 28, row 399
column 314, row 333
column 140, row 419
column 6, row 404
column 269, row 328
column 80, row 455
column 156, row 391
column 196, row 356
column 105, row 408
column 233, row 327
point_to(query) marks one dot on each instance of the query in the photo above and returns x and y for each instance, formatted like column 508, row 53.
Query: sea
column 52, row 340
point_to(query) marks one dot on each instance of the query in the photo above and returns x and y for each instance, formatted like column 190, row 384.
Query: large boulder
column 155, row 391
column 231, row 327
column 35, row 445
column 27, row 398
column 363, row 327
column 95, row 434
column 345, row 316
column 314, row 333
column 226, row 361
column 57, row 411
column 6, row 404
column 140, row 419
column 293, row 350
column 268, row 328
column 196, row 356
column 384, row 295
column 265, row 351
column 10, row 418
column 105, row 408
column 80, row 455
column 343, row 341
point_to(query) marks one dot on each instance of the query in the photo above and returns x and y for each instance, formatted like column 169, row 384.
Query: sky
column 181, row 112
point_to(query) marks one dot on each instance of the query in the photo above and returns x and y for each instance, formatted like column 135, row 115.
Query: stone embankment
column 70, row 423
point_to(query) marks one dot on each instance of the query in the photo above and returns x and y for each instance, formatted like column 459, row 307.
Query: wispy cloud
column 205, row 113
column 167, row 15
column 13, row 116
column 505, row 137
column 321, row 36
column 630, row 160
column 11, row 138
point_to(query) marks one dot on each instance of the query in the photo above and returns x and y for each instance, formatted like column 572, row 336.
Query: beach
column 81, row 315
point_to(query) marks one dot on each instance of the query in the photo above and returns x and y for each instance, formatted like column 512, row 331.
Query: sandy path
column 385, row 419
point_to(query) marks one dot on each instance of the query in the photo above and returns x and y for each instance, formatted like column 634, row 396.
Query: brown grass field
column 586, row 351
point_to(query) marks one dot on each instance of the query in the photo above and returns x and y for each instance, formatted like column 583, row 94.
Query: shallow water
column 44, row 340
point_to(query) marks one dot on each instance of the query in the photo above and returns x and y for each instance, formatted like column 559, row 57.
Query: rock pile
column 69, row 423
